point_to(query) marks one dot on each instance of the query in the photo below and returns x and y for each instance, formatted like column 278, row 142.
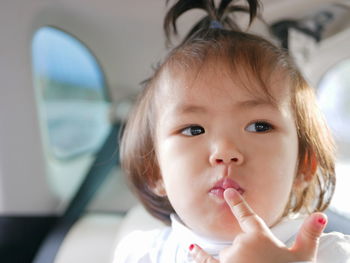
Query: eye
column 193, row 130
column 259, row 126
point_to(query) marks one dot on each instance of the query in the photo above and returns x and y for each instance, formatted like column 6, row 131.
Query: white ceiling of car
column 126, row 35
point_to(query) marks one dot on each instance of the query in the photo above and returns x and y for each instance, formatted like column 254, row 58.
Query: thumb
column 306, row 243
column 200, row 256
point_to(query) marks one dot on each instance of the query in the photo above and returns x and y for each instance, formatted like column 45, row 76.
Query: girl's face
column 212, row 134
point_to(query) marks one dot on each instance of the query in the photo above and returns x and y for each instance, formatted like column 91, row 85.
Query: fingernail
column 322, row 221
column 191, row 247
column 231, row 194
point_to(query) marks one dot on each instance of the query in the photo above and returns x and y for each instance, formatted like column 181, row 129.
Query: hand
column 257, row 244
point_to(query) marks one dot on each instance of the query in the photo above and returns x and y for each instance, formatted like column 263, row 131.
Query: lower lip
column 219, row 192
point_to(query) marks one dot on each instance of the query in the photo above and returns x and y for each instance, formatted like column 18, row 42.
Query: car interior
column 71, row 72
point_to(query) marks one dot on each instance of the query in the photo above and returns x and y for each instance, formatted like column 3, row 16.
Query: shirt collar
column 185, row 236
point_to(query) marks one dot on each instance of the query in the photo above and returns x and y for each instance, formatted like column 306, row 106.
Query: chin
column 224, row 232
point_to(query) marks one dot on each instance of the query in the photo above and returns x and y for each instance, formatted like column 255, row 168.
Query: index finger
column 248, row 220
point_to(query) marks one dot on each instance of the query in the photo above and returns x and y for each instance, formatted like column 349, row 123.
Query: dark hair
column 222, row 15
column 245, row 54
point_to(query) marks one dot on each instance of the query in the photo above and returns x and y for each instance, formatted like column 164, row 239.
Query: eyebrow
column 255, row 103
column 188, row 108
column 251, row 103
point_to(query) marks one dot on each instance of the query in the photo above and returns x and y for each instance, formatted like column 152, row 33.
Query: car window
column 73, row 105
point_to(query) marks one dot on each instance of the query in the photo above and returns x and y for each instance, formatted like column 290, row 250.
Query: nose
column 226, row 153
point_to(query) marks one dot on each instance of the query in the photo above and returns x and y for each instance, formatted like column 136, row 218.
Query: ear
column 307, row 169
column 159, row 188
column 309, row 166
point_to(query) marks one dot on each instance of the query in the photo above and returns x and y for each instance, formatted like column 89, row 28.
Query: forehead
column 215, row 79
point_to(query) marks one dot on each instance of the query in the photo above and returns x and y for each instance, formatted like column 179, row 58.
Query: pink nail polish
column 322, row 221
column 191, row 247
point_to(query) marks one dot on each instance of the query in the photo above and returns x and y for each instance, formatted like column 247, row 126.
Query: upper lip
column 226, row 183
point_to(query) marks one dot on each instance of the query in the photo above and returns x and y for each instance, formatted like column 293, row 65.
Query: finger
column 307, row 240
column 247, row 219
column 200, row 256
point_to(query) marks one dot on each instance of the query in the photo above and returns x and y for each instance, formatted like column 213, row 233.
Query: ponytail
column 220, row 17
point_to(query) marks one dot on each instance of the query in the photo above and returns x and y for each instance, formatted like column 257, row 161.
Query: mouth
column 223, row 184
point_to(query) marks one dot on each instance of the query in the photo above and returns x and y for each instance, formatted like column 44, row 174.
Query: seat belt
column 106, row 158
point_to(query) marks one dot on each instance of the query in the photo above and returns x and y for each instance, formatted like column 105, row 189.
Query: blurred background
column 70, row 71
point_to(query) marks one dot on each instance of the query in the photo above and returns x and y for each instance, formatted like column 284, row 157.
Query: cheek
column 273, row 181
column 283, row 166
column 183, row 170
column 180, row 154
column 179, row 163
column 273, row 170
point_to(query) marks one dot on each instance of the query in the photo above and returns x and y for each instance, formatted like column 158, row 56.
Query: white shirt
column 171, row 244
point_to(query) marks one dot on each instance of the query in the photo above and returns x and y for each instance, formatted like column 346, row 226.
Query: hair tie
column 215, row 24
